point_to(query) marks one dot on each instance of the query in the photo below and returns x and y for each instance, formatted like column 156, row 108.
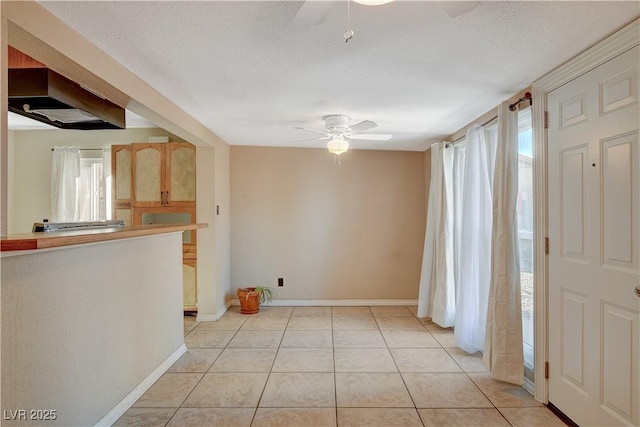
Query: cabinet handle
column 167, row 199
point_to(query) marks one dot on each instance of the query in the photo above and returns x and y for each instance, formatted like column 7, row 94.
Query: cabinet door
column 147, row 165
column 121, row 177
column 124, row 215
column 189, row 286
column 181, row 173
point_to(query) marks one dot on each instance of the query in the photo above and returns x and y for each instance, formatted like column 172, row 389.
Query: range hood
column 48, row 97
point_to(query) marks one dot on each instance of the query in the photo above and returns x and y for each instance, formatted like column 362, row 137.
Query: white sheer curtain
column 105, row 196
column 503, row 354
column 65, row 173
column 474, row 251
column 437, row 286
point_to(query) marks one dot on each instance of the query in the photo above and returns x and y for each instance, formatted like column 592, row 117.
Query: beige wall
column 427, row 177
column 354, row 231
column 30, row 166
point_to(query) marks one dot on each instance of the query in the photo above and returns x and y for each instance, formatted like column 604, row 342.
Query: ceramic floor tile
column 208, row 339
column 391, row 311
column 145, row 417
column 378, row 417
column 300, row 339
column 444, row 336
column 189, row 324
column 434, row 327
column 256, row 339
column 501, row 394
column 371, row 390
column 468, row 362
column 529, row 417
column 304, row 360
column 311, row 312
column 227, row 390
column 169, row 391
column 410, row 339
column 489, row 417
column 265, row 324
column 245, row 360
column 427, row 322
column 212, row 417
column 399, row 323
column 196, row 360
column 358, row 339
column 295, row 417
column 444, row 390
column 413, row 309
column 424, row 360
column 351, row 312
column 299, row 390
column 234, row 312
column 364, row 360
column 354, row 324
column 300, row 323
column 267, row 311
column 223, row 324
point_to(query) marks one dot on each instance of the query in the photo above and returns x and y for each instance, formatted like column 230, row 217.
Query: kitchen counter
column 44, row 240
column 90, row 319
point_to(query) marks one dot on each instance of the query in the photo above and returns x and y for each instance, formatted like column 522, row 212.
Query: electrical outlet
column 280, row 281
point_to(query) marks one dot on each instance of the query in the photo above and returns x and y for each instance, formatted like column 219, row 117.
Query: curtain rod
column 512, row 107
column 87, row 149
column 526, row 97
column 464, row 136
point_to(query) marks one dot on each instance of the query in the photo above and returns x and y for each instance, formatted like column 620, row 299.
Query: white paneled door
column 593, row 190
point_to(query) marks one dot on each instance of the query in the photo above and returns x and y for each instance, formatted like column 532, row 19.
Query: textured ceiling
column 249, row 74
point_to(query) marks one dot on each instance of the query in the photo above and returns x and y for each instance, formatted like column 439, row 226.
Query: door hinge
column 546, row 370
column 546, row 120
column 546, row 245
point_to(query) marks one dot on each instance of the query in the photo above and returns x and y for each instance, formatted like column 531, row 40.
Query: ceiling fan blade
column 457, row 8
column 311, row 13
column 321, row 138
column 362, row 126
column 311, row 130
column 371, row 136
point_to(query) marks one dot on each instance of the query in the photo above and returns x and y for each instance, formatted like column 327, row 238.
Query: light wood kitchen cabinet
column 121, row 182
column 189, row 285
column 163, row 174
column 155, row 183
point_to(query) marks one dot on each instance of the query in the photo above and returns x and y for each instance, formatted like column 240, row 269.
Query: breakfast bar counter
column 43, row 240
column 90, row 320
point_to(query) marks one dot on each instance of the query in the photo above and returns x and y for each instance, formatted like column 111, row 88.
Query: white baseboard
column 336, row 302
column 126, row 403
column 214, row 317
column 529, row 386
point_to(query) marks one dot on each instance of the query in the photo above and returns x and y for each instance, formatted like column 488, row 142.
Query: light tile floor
column 323, row 366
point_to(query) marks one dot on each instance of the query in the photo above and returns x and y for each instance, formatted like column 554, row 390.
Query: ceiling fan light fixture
column 337, row 145
column 373, row 2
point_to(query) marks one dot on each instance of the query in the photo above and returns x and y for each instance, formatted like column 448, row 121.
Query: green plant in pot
column 251, row 298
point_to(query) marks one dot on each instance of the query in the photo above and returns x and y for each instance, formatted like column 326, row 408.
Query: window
column 525, row 233
column 91, row 192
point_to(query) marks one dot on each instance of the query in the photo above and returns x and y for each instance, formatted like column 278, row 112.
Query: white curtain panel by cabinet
column 105, row 191
column 474, row 253
column 65, row 172
column 437, row 287
column 503, row 354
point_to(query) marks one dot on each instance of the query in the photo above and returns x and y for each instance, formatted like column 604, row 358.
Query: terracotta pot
column 249, row 302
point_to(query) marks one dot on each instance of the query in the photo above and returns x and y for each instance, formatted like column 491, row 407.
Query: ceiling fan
column 338, row 132
column 314, row 12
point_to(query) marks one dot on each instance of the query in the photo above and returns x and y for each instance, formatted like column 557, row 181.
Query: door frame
column 621, row 41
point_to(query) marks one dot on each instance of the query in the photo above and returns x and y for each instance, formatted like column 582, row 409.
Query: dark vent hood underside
column 48, row 97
